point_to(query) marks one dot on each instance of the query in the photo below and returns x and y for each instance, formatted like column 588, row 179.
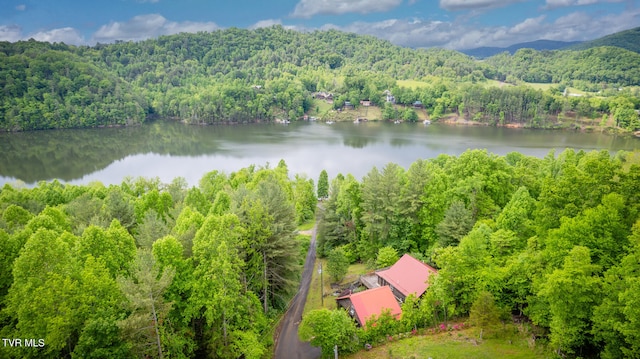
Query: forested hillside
column 238, row 75
column 555, row 239
column 49, row 86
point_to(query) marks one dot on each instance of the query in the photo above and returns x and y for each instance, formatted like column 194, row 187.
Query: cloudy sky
column 456, row 24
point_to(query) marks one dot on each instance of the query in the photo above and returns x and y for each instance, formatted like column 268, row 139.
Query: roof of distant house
column 408, row 275
column 373, row 302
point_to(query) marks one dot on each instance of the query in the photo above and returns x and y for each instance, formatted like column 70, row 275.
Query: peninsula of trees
column 236, row 75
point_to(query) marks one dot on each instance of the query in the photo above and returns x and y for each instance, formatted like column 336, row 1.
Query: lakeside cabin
column 361, row 306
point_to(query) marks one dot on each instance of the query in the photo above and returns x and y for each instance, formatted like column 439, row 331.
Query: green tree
column 118, row 205
column 16, row 217
column 387, row 256
column 281, row 251
column 415, row 313
column 379, row 327
column 516, row 215
column 114, row 245
column 323, row 185
column 484, row 313
column 457, row 222
column 305, row 200
column 187, row 224
column 410, row 115
column 43, row 297
column 219, row 301
column 616, row 320
column 151, row 228
column 326, row 328
column 572, row 293
column 99, row 300
column 337, row 264
column 380, row 206
column 143, row 326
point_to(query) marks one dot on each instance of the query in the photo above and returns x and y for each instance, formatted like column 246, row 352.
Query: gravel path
column 288, row 346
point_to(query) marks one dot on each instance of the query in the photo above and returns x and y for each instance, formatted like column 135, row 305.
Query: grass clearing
column 545, row 87
column 314, row 297
column 371, row 113
column 354, row 273
column 455, row 345
column 412, row 84
column 319, row 108
column 314, row 300
column 540, row 86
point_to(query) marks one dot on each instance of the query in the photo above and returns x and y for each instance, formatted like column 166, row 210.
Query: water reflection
column 168, row 150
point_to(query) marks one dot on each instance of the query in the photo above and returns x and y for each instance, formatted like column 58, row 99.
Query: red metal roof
column 408, row 275
column 373, row 302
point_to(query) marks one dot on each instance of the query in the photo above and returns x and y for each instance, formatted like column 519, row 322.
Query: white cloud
column 551, row 4
column 11, row 33
column 68, row 35
column 21, row 7
column 309, row 8
column 453, row 5
column 265, row 23
column 461, row 35
column 147, row 26
column 528, row 26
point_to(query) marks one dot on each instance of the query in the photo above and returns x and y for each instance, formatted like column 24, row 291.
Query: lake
column 168, row 150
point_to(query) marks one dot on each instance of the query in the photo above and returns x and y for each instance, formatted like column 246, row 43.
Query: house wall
column 399, row 296
column 348, row 306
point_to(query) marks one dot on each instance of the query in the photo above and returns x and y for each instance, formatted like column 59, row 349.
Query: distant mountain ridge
column 539, row 45
column 628, row 40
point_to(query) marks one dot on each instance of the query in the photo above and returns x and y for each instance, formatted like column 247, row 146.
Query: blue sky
column 455, row 24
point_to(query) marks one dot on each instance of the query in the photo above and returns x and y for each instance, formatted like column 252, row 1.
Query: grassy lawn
column 354, row 273
column 540, row 86
column 319, row 108
column 412, row 84
column 314, row 300
column 454, row 345
column 544, row 87
column 372, row 113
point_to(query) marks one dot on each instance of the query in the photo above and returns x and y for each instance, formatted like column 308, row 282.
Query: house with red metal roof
column 408, row 275
column 362, row 305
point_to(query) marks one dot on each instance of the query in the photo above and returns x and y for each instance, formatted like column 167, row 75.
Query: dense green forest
column 145, row 269
column 237, row 75
column 553, row 240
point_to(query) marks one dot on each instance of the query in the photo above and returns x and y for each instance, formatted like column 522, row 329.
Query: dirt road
column 288, row 345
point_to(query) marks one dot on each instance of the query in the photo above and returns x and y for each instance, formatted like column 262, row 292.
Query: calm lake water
column 168, row 150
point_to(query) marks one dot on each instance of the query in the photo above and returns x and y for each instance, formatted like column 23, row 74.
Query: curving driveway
column 288, row 346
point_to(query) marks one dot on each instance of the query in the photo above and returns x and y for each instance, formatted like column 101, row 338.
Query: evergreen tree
column 323, row 185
